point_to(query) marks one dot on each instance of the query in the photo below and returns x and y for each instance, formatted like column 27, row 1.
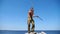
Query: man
column 30, row 20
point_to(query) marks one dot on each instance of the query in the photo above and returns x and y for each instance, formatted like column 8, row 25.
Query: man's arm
column 38, row 17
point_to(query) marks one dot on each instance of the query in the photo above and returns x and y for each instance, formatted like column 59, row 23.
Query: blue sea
column 23, row 32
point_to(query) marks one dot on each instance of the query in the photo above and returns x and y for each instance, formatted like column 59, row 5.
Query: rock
column 42, row 33
column 31, row 33
column 36, row 33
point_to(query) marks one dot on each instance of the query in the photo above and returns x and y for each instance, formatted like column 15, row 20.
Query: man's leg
column 28, row 26
column 33, row 26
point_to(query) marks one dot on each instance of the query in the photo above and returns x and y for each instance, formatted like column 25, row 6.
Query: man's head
column 32, row 9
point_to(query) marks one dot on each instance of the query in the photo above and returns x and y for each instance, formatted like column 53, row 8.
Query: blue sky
column 13, row 14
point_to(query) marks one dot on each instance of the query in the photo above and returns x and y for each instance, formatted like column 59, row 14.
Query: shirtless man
column 30, row 20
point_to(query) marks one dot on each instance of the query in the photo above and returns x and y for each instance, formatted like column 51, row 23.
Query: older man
column 30, row 20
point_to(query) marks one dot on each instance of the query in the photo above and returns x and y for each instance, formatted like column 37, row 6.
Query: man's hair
column 31, row 8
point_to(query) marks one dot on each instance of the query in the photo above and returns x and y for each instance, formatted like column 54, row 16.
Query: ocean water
column 23, row 32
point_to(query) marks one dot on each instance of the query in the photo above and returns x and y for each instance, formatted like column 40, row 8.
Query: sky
column 14, row 14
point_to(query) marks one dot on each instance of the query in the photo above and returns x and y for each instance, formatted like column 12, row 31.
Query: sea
column 25, row 31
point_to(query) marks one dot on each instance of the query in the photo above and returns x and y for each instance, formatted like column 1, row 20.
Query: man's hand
column 35, row 16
